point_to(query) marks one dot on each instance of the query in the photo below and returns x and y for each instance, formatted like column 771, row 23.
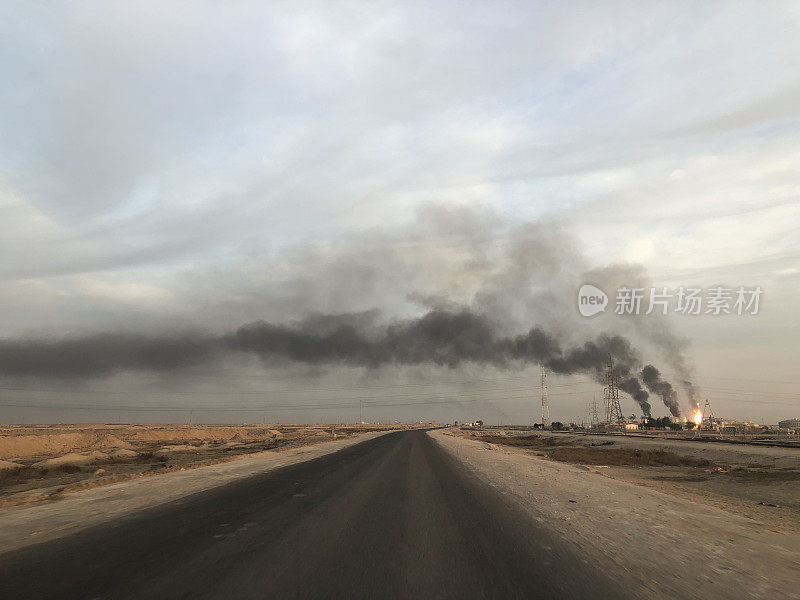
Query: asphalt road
column 392, row 517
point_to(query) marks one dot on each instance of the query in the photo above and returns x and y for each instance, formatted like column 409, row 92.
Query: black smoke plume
column 440, row 337
column 691, row 392
column 632, row 387
column 652, row 379
column 104, row 354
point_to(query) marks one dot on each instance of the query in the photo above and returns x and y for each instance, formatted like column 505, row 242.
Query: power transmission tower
column 611, row 396
column 708, row 414
column 545, row 405
column 594, row 419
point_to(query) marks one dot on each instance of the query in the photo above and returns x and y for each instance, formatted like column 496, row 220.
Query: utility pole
column 545, row 405
column 614, row 416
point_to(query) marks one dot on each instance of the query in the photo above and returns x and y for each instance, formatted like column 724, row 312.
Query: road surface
column 392, row 517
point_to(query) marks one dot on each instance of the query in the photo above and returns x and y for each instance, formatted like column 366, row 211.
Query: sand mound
column 232, row 445
column 110, row 442
column 211, row 434
column 217, row 434
column 12, row 446
column 72, row 460
column 35, row 445
column 312, row 432
column 124, row 453
column 38, row 442
column 175, row 448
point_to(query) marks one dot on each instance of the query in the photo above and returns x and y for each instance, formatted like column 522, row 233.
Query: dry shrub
column 625, row 457
column 24, row 473
column 527, row 441
column 766, row 476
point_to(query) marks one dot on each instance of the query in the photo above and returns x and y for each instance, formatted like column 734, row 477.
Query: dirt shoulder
column 660, row 544
column 761, row 483
column 24, row 525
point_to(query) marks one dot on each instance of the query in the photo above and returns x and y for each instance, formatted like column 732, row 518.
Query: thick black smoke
column 691, row 392
column 631, row 386
column 101, row 355
column 446, row 339
column 440, row 337
column 592, row 358
column 652, row 379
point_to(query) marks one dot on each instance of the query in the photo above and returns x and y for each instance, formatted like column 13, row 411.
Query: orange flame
column 697, row 417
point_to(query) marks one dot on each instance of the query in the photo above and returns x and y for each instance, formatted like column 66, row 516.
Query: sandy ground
column 45, row 462
column 758, row 482
column 24, row 525
column 661, row 544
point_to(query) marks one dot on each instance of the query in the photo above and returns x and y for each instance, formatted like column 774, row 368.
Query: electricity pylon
column 545, row 405
column 611, row 396
column 594, row 418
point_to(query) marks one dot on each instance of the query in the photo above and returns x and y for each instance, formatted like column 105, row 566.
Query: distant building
column 631, row 426
column 738, row 426
column 789, row 424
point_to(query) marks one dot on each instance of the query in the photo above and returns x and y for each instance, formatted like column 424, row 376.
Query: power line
column 737, row 379
column 348, row 403
column 381, row 386
column 303, row 390
column 373, row 387
column 775, row 402
column 247, row 408
column 752, row 392
column 230, row 392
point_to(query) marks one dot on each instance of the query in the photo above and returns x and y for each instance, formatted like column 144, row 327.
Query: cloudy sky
column 174, row 167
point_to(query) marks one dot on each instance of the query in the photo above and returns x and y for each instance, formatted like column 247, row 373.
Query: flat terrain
column 393, row 517
column 758, row 482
